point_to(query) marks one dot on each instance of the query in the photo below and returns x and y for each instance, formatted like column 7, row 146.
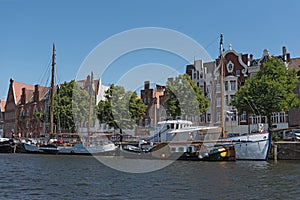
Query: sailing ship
column 47, row 147
column 84, row 145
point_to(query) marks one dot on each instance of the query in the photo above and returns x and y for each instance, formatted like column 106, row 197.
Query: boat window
column 180, row 149
column 173, row 149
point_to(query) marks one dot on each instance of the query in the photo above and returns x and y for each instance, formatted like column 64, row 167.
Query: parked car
column 292, row 134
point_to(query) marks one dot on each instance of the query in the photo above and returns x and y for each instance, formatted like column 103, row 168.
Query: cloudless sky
column 28, row 29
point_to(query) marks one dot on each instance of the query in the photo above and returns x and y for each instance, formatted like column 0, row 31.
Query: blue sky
column 28, row 29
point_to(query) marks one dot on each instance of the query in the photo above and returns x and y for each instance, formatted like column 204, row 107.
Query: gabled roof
column 17, row 89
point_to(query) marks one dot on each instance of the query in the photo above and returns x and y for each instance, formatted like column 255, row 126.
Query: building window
column 208, row 89
column 208, row 117
column 254, row 119
column 282, row 117
column 202, row 118
column 226, row 85
column 232, row 85
column 219, row 117
column 238, row 73
column 219, row 102
column 226, row 100
column 218, row 88
column 244, row 116
column 274, row 118
column 233, row 117
column 263, row 119
column 201, row 75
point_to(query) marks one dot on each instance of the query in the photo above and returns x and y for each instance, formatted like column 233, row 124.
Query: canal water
column 24, row 176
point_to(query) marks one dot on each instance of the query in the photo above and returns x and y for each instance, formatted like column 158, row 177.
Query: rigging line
column 252, row 106
column 45, row 75
column 211, row 43
column 46, row 67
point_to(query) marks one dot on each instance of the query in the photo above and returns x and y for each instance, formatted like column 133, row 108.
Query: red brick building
column 23, row 100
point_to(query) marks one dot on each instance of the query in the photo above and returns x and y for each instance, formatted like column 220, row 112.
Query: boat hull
column 226, row 153
column 250, row 147
column 79, row 149
column 44, row 149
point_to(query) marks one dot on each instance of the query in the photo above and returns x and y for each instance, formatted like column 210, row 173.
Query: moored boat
column 80, row 149
column 254, row 146
column 10, row 145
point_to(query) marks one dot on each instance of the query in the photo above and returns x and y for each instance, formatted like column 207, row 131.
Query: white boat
column 254, row 146
column 32, row 146
column 80, row 149
column 183, row 141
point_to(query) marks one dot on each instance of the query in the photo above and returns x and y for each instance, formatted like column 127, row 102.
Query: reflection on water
column 26, row 176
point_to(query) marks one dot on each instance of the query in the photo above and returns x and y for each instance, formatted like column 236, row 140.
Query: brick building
column 237, row 68
column 23, row 100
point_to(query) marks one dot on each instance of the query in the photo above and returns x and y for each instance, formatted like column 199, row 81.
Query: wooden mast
column 52, row 93
column 222, row 87
column 91, row 82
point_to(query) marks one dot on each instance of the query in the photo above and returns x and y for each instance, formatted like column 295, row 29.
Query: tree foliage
column 71, row 102
column 120, row 109
column 184, row 98
column 71, row 106
column 268, row 91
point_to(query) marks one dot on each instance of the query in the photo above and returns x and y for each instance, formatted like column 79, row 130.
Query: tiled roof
column 29, row 89
column 17, row 88
column 294, row 64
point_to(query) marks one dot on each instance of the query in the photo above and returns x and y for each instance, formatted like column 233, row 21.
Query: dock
column 285, row 150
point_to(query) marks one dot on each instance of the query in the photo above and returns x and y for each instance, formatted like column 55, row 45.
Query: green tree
column 120, row 109
column 70, row 101
column 184, row 98
column 268, row 91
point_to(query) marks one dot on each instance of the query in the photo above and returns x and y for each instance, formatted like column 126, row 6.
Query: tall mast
column 222, row 87
column 91, row 82
column 52, row 92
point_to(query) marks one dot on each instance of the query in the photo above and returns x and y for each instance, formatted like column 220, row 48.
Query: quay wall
column 285, row 150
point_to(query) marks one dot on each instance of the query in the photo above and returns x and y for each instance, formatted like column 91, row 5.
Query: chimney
column 23, row 97
column 284, row 53
column 288, row 57
column 147, row 85
column 36, row 93
column 250, row 60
